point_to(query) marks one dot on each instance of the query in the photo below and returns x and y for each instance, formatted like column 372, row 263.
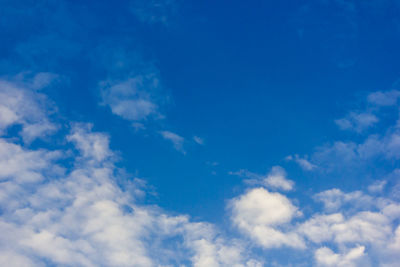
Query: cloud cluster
column 18, row 107
column 356, row 228
column 64, row 206
column 79, row 216
column 361, row 227
column 360, row 121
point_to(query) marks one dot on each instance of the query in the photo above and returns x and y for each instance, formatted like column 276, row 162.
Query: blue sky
column 199, row 133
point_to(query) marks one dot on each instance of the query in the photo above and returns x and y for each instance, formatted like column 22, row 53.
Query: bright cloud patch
column 79, row 216
column 18, row 106
column 259, row 213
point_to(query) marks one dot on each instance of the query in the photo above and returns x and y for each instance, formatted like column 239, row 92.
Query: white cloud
column 131, row 99
column 334, row 199
column 318, row 228
column 326, row 257
column 176, row 140
column 21, row 104
column 384, row 98
column 91, row 145
column 304, row 163
column 79, row 216
column 357, row 122
column 377, row 186
column 275, row 179
column 76, row 214
column 259, row 213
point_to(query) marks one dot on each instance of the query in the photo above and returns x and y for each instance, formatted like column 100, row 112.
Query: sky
column 200, row 133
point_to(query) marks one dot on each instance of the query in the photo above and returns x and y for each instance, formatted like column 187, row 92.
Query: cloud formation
column 80, row 216
column 131, row 99
column 175, row 139
column 275, row 180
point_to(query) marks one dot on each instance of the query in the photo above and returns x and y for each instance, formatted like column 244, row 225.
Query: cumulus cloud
column 276, row 179
column 259, row 213
column 326, row 257
column 77, row 215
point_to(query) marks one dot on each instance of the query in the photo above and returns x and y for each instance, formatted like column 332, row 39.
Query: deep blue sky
column 257, row 81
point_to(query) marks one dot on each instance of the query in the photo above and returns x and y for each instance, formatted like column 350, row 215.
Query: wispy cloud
column 131, row 98
column 176, row 140
column 198, row 140
column 304, row 163
column 384, row 98
column 21, row 104
column 357, row 122
column 275, row 179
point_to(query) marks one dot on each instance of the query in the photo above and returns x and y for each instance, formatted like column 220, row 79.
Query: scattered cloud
column 176, row 140
column 131, row 98
column 304, row 163
column 274, row 180
column 377, row 186
column 21, row 104
column 198, row 140
column 335, row 199
column 384, row 98
column 77, row 214
column 357, row 122
column 326, row 257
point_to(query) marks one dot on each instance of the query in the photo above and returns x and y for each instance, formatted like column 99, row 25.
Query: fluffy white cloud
column 326, row 257
column 76, row 214
column 259, row 213
column 91, row 145
column 276, row 179
column 79, row 216
column 334, row 199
